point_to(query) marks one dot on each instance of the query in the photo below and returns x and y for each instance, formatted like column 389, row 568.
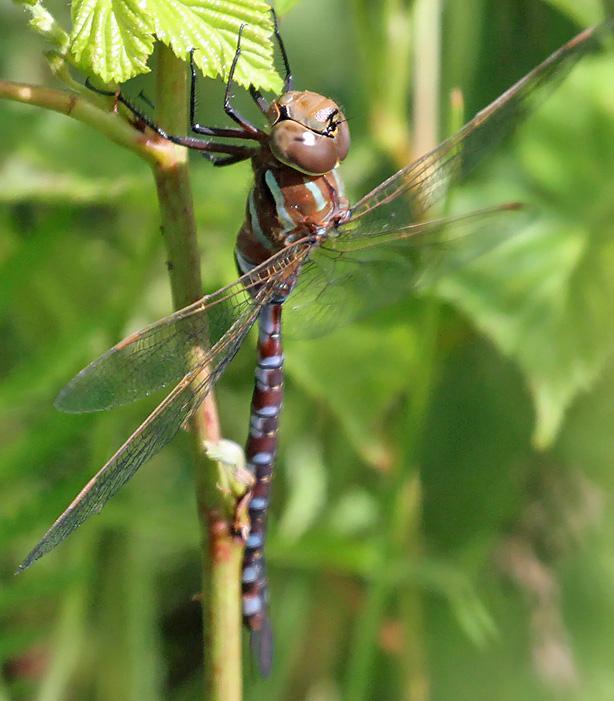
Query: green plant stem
column 222, row 551
column 384, row 38
column 415, row 681
column 69, row 639
column 106, row 121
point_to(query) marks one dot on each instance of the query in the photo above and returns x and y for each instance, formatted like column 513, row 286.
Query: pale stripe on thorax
column 255, row 222
column 280, row 202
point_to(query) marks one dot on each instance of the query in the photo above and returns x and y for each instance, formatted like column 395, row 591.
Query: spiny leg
column 284, row 56
column 242, row 152
column 220, row 161
column 257, row 96
column 246, row 132
column 259, row 99
column 228, row 107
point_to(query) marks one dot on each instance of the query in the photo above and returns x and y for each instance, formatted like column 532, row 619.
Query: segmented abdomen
column 260, row 452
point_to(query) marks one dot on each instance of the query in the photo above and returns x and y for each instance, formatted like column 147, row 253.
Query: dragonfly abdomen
column 260, row 453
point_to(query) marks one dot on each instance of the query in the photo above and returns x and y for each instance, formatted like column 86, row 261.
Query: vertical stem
column 426, row 124
column 362, row 651
column 427, row 68
column 408, row 510
column 401, row 537
column 221, row 550
column 68, row 642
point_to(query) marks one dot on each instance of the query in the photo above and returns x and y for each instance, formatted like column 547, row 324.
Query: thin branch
column 113, row 125
column 222, row 550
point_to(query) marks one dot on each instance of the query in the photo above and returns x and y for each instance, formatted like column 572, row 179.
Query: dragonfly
column 302, row 249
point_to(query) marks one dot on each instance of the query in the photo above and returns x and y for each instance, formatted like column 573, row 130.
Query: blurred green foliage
column 441, row 526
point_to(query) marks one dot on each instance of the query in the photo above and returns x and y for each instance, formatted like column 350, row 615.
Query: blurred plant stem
column 69, row 639
column 384, row 38
column 222, row 550
column 106, row 121
column 401, row 536
column 4, row 694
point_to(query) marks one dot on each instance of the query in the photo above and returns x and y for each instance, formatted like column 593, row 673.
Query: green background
column 442, row 524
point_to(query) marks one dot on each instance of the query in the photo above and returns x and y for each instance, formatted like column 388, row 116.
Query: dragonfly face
column 308, row 132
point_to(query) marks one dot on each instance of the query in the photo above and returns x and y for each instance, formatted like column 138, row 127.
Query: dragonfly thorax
column 308, row 132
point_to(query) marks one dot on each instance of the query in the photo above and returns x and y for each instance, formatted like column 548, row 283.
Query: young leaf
column 44, row 23
column 114, row 40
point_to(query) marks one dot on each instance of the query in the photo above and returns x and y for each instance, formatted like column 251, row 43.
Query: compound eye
column 342, row 139
column 303, row 149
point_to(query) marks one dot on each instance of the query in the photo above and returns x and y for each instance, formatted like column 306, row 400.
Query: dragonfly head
column 308, row 132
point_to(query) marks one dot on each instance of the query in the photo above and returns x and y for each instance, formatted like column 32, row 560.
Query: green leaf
column 362, row 396
column 283, row 6
column 584, row 12
column 111, row 40
column 307, row 487
column 114, row 40
column 546, row 297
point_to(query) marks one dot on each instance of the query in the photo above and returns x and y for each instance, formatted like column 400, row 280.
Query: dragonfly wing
column 347, row 278
column 164, row 352
column 151, row 436
column 165, row 421
column 411, row 192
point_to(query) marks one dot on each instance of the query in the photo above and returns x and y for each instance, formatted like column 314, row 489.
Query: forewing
column 165, row 421
column 164, row 352
column 408, row 194
column 347, row 278
column 152, row 435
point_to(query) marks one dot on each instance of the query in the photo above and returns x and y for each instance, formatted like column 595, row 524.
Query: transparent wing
column 347, row 277
column 165, row 421
column 154, row 433
column 163, row 353
column 408, row 194
column 378, row 255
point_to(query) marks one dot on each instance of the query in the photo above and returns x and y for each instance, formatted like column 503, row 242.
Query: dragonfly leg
column 247, row 130
column 263, row 104
column 203, row 145
column 228, row 95
column 259, row 99
column 288, row 79
column 220, row 161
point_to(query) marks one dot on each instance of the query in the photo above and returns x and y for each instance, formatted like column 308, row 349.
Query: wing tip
column 72, row 401
column 61, row 404
column 34, row 555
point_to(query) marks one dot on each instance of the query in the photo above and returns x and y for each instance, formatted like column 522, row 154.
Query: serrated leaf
column 546, row 298
column 113, row 39
column 212, row 28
